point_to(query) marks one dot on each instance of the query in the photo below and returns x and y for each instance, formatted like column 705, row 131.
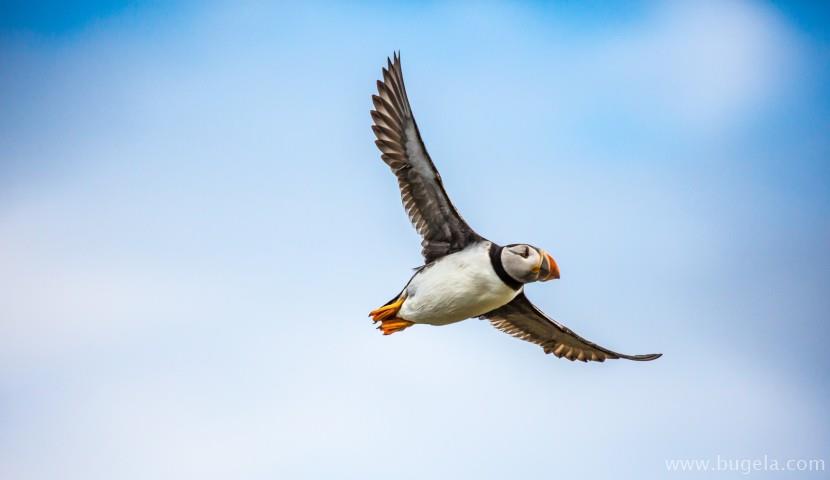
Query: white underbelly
column 459, row 286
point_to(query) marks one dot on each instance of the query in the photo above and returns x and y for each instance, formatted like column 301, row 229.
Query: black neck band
column 495, row 260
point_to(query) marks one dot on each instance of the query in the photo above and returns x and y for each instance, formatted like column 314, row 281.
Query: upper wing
column 523, row 320
column 430, row 210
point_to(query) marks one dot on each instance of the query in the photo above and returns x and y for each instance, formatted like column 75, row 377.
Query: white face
column 528, row 264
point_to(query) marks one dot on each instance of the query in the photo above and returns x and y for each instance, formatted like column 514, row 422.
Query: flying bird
column 464, row 275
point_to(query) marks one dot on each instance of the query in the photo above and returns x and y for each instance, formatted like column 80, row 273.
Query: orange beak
column 549, row 270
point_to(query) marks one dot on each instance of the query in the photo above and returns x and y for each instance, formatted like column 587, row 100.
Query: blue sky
column 194, row 223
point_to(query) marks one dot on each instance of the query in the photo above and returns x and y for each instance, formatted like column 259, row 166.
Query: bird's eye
column 524, row 253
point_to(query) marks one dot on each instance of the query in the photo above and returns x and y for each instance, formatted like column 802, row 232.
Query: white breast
column 458, row 286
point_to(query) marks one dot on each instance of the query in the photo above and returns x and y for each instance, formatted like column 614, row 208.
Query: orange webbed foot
column 388, row 311
column 387, row 315
column 388, row 327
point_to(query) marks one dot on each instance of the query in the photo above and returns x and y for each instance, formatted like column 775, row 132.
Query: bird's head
column 527, row 263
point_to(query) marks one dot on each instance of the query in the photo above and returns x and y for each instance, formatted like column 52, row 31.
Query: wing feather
column 430, row 210
column 523, row 320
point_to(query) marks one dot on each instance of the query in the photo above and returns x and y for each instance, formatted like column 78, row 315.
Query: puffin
column 464, row 275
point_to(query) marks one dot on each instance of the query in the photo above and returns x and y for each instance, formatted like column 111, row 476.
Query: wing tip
column 642, row 358
column 394, row 63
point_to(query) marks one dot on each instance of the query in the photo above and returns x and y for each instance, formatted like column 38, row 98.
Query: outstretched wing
column 442, row 229
column 523, row 320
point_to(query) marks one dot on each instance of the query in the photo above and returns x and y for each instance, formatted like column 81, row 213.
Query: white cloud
column 707, row 63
